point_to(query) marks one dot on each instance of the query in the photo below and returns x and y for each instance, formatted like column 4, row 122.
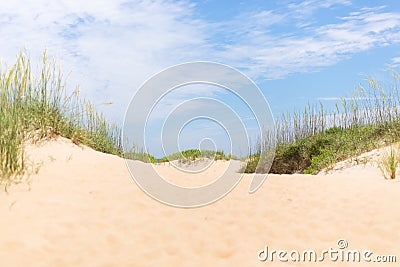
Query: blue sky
column 296, row 51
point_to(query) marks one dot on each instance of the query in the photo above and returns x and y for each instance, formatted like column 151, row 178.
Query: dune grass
column 316, row 138
column 36, row 105
column 389, row 162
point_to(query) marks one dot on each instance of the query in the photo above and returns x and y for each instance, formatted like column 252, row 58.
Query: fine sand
column 84, row 209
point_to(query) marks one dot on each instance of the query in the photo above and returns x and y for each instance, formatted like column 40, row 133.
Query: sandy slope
column 83, row 209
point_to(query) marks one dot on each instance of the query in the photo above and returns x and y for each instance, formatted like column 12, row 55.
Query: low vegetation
column 193, row 154
column 139, row 154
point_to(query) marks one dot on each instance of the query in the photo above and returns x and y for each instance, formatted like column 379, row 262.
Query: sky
column 295, row 51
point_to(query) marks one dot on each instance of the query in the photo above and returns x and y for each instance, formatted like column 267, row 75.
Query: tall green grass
column 37, row 105
column 317, row 137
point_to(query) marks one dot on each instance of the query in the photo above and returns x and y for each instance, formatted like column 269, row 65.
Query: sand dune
column 83, row 209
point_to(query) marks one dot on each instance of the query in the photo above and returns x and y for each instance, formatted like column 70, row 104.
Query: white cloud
column 110, row 46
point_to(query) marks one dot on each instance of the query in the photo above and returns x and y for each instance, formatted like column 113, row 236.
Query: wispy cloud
column 273, row 56
column 306, row 8
column 395, row 62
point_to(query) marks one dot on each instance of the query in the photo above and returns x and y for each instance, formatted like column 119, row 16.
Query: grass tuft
column 389, row 162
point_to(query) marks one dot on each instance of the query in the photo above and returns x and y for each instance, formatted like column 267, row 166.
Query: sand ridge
column 84, row 209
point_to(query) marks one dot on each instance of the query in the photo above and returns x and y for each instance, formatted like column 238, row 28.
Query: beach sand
column 84, row 209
